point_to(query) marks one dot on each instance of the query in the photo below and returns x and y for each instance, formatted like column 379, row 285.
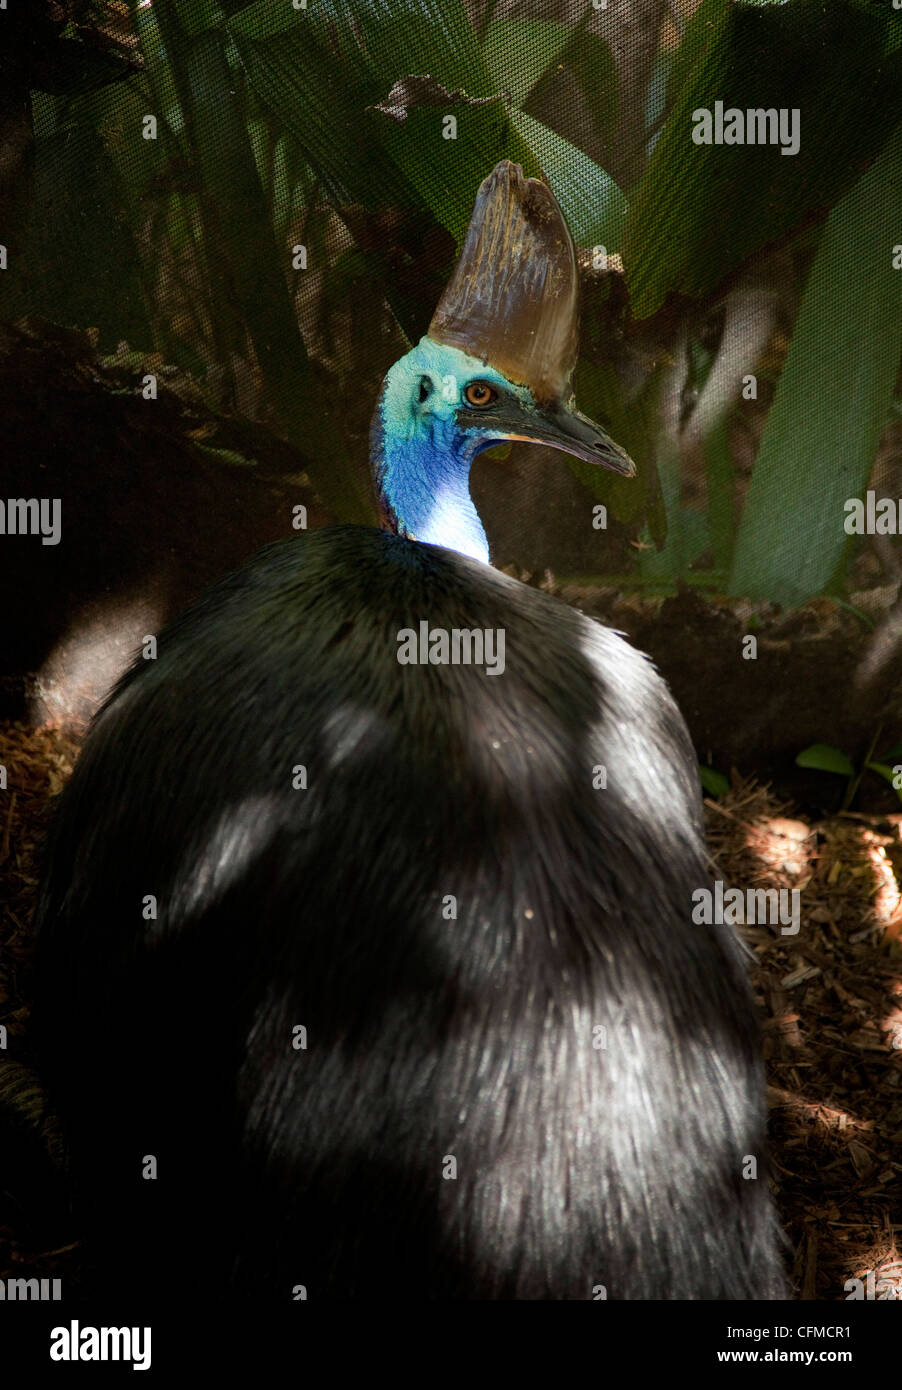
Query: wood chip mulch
column 830, row 998
column 37, row 763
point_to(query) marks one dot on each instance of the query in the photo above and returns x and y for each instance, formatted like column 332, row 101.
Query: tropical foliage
column 285, row 222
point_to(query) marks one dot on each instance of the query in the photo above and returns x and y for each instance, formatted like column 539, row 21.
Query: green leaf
column 720, row 478
column 589, row 61
column 398, row 37
column 823, row 758
column 226, row 162
column 701, row 33
column 326, row 79
column 822, row 432
column 238, row 233
column 195, row 16
column 889, row 774
column 714, row 783
column 593, row 66
column 447, row 173
column 591, row 201
column 322, row 100
column 688, row 538
column 268, row 17
column 699, row 211
column 326, row 82
column 518, row 52
column 893, row 35
column 599, row 392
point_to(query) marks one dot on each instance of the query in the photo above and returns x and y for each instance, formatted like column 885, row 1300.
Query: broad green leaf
column 225, row 158
column 161, row 59
column 587, row 59
column 323, row 102
column 195, row 16
column 599, row 395
column 236, row 218
column 713, row 782
column 688, row 538
column 591, row 201
column 822, row 432
column 699, row 211
column 700, row 34
column 823, row 758
column 396, row 37
column 447, row 173
column 669, row 560
column 720, row 479
column 324, row 79
column 592, row 63
column 889, row 774
column 328, row 83
column 268, row 17
column 518, row 52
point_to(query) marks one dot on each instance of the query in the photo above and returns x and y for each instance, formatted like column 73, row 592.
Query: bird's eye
column 425, row 388
column 480, row 394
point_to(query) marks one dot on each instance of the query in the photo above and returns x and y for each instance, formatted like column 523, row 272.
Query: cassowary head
column 495, row 365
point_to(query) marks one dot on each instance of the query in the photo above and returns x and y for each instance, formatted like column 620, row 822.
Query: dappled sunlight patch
column 831, row 999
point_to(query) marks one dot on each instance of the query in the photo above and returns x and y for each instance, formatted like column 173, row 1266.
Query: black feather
column 427, row 1038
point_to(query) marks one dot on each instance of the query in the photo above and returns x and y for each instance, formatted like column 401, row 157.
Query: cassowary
column 367, row 966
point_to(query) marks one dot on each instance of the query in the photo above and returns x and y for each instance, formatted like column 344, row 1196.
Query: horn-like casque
column 513, row 297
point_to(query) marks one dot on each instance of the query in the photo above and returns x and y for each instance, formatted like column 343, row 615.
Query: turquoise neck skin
column 420, row 454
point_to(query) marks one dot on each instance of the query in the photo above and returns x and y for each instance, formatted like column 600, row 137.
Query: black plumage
column 429, row 1036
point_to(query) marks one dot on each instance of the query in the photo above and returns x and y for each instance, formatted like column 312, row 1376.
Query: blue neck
column 421, row 458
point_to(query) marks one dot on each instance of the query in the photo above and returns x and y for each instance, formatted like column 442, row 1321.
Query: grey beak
column 558, row 426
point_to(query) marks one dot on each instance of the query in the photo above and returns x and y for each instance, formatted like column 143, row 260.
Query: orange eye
column 479, row 393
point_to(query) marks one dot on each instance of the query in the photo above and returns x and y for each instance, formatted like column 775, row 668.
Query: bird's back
column 390, row 967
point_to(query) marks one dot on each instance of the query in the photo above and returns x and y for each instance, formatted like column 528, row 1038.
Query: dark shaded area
column 159, row 498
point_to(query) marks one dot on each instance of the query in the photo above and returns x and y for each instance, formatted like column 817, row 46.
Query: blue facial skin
column 422, row 454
